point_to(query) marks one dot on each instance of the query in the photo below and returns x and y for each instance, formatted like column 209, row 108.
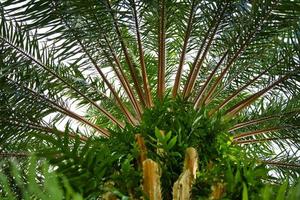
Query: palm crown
column 221, row 76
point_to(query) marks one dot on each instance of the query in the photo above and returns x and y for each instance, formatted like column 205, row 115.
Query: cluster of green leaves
column 241, row 173
column 189, row 126
column 33, row 179
column 173, row 126
column 233, row 171
column 241, row 180
column 98, row 165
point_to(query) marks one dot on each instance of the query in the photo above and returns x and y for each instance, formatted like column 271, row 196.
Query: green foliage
column 101, row 165
column 37, row 180
column 177, row 118
column 98, row 165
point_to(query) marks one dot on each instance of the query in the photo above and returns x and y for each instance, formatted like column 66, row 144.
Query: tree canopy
column 82, row 80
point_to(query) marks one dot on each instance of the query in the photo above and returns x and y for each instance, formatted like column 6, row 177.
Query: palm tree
column 158, row 98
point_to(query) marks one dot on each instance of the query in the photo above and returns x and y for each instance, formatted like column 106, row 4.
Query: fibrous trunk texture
column 151, row 180
column 182, row 187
